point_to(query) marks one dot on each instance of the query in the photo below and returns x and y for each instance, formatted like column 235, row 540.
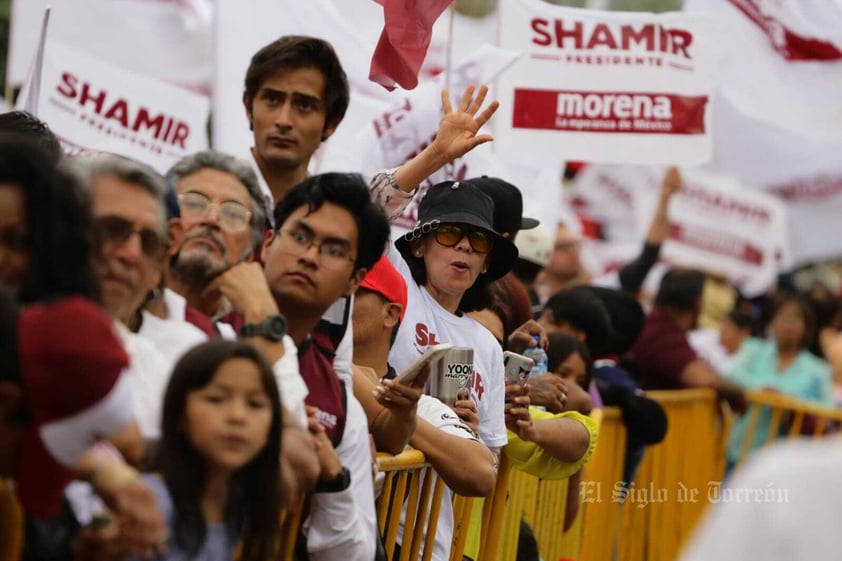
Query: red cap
column 386, row 281
column 72, row 363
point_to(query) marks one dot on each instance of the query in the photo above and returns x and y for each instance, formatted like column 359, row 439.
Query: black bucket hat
column 455, row 202
column 508, row 204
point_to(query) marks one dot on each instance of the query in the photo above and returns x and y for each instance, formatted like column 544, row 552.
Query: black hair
column 526, row 271
column 58, row 213
column 350, row 192
column 827, row 312
column 742, row 320
column 26, row 125
column 254, row 492
column 585, row 312
column 680, row 289
column 294, row 52
column 561, row 347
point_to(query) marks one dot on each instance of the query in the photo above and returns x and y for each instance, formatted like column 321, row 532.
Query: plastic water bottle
column 538, row 356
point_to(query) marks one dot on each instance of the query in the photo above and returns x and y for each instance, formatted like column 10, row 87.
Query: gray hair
column 240, row 169
column 91, row 166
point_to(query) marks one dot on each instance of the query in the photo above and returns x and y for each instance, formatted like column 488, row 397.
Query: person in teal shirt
column 781, row 364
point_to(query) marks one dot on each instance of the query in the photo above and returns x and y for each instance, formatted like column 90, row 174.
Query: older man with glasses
column 222, row 222
column 127, row 200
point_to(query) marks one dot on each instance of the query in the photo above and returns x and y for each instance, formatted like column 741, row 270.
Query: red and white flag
column 605, row 86
column 93, row 106
column 784, row 61
column 404, row 41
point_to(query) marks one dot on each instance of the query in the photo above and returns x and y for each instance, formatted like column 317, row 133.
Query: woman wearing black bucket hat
column 448, row 261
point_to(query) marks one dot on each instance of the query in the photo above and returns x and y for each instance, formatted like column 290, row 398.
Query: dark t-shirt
column 326, row 391
column 662, row 352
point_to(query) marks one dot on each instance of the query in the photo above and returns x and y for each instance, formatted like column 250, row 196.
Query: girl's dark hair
column 561, row 347
column 254, row 493
column 478, row 297
column 348, row 191
column 58, row 212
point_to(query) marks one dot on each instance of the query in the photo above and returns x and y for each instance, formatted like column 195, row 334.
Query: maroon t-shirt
column 662, row 352
column 326, row 391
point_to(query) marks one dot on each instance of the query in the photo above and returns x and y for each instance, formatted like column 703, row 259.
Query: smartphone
column 517, row 368
column 434, row 353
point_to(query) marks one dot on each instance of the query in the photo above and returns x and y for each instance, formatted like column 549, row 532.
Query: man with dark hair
column 295, row 96
column 664, row 356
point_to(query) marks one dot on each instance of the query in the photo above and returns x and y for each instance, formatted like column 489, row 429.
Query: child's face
column 228, row 420
column 574, row 370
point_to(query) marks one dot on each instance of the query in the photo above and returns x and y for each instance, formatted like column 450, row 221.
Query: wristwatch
column 341, row 482
column 273, row 328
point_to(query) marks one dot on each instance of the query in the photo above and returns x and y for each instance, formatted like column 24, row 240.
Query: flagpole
column 448, row 65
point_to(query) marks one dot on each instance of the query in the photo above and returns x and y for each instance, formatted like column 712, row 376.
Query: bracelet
column 393, row 181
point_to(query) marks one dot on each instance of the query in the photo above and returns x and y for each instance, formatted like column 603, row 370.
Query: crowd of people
column 197, row 352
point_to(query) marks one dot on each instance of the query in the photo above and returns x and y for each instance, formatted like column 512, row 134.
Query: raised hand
column 457, row 134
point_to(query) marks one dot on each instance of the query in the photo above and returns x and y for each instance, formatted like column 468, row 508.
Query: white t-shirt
column 150, row 373
column 290, row 383
column 785, row 504
column 171, row 337
column 443, row 418
column 426, row 323
column 343, row 526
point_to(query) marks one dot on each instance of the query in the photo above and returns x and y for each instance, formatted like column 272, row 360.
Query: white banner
column 805, row 174
column 605, row 86
column 169, row 40
column 784, row 61
column 715, row 223
column 93, row 106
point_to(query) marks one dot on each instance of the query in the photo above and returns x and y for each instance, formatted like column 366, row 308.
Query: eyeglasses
column 449, row 235
column 117, row 230
column 233, row 216
column 334, row 254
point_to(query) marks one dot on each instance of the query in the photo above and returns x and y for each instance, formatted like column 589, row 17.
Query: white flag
column 784, row 61
column 93, row 106
column 605, row 86
column 168, row 40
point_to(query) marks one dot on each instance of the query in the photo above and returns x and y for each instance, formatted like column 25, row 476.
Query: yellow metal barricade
column 789, row 417
column 600, row 515
column 670, row 493
column 411, row 481
column 11, row 524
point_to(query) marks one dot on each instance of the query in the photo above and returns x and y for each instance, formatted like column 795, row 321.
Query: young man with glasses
column 329, row 234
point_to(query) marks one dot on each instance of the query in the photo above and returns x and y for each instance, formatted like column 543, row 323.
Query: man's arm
column 698, row 374
column 633, row 273
column 465, row 464
column 390, row 413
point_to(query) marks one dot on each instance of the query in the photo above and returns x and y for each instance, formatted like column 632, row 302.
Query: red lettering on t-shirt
column 423, row 336
column 477, row 385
